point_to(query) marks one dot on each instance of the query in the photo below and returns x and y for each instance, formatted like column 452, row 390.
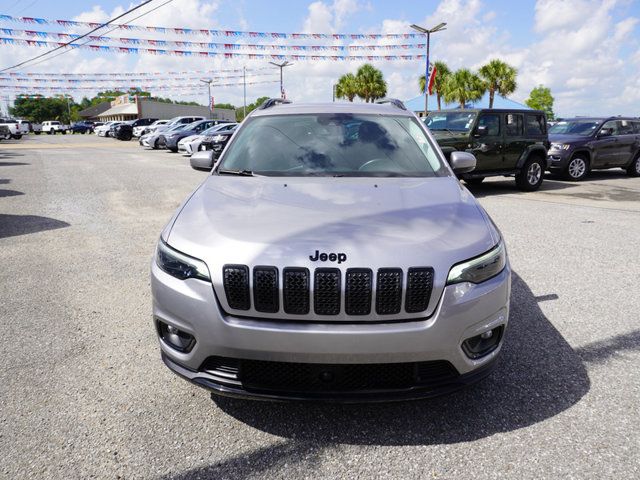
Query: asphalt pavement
column 84, row 394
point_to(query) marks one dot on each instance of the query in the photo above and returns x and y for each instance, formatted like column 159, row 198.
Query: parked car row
column 520, row 143
column 186, row 135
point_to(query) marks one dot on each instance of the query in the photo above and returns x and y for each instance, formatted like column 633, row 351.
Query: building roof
column 95, row 110
column 416, row 104
column 125, row 109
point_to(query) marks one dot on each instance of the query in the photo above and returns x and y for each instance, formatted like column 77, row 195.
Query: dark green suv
column 504, row 142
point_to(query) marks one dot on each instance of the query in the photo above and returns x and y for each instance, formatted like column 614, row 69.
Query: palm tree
column 499, row 77
column 442, row 73
column 463, row 86
column 347, row 87
column 371, row 84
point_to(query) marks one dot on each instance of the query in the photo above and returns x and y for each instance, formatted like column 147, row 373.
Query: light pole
column 286, row 63
column 428, row 33
column 208, row 82
column 244, row 83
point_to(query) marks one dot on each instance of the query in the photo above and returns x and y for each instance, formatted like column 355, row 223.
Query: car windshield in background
column 333, row 145
column 576, row 127
column 450, row 121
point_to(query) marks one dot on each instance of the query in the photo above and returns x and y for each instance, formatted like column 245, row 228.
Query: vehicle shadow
column 14, row 225
column 9, row 193
column 492, row 187
column 539, row 375
column 12, row 164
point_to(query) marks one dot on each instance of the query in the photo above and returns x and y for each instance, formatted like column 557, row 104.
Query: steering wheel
column 366, row 165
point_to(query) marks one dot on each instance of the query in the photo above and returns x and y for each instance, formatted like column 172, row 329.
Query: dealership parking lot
column 85, row 394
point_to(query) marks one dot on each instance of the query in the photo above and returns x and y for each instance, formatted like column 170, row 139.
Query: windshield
column 333, row 145
column 584, row 128
column 452, row 121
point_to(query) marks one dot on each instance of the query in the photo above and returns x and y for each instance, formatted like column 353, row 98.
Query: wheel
column 37, row 133
column 577, row 168
column 49, row 132
column 530, row 177
column 83, row 132
column 156, row 145
column 17, row 136
column 473, row 180
column 633, row 170
column 64, row 132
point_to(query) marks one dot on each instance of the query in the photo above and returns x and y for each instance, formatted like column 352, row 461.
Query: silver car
column 331, row 254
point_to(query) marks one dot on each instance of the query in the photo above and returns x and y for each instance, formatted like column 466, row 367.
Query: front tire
column 531, row 175
column 37, row 133
column 633, row 170
column 577, row 168
column 16, row 137
column 64, row 132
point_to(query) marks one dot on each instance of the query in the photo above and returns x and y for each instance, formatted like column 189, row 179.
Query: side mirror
column 462, row 162
column 605, row 132
column 481, row 131
column 203, row 160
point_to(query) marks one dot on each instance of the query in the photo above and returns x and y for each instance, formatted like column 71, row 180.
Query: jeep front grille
column 363, row 291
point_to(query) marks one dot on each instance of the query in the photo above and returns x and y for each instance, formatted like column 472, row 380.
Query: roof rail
column 394, row 101
column 273, row 101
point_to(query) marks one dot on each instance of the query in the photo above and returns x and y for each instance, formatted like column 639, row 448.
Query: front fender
column 537, row 149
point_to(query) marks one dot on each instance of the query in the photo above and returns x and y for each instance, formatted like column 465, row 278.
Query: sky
column 586, row 51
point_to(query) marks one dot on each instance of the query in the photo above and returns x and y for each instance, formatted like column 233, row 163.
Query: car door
column 627, row 141
column 607, row 149
column 514, row 141
column 489, row 143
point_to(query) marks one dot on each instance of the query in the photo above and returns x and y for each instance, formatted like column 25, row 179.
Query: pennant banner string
column 210, row 54
column 214, row 33
column 10, row 32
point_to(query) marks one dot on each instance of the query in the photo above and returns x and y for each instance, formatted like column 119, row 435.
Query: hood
column 445, row 138
column 375, row 222
column 564, row 138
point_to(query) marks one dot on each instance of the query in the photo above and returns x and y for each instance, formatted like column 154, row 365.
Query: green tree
column 540, row 98
column 463, row 86
column 370, row 83
column 226, row 106
column 347, row 87
column 39, row 109
column 499, row 77
column 439, row 82
column 252, row 106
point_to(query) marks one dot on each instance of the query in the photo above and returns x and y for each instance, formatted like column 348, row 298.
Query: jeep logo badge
column 332, row 257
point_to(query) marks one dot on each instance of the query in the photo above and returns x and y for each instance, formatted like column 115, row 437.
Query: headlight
column 481, row 268
column 180, row 265
column 560, row 146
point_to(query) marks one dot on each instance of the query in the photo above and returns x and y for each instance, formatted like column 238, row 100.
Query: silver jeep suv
column 331, row 254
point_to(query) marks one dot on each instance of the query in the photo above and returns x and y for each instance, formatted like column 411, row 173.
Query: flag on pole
column 212, row 104
column 432, row 78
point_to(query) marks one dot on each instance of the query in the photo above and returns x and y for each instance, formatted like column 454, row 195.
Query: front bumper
column 463, row 311
column 557, row 160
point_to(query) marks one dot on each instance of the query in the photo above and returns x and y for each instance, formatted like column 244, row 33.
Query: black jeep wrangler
column 505, row 142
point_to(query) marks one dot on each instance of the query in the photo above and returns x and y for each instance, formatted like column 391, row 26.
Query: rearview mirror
column 202, row 160
column 481, row 130
column 462, row 162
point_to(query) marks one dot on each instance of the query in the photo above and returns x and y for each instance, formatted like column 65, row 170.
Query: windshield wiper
column 242, row 173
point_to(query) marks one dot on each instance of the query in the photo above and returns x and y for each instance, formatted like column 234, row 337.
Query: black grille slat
column 419, row 286
column 296, row 291
column 265, row 289
column 326, row 291
column 236, row 286
column 388, row 291
column 358, row 287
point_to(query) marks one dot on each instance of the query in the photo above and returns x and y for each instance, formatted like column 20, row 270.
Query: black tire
column 37, row 133
column 577, row 168
column 64, row 132
column 155, row 146
column 633, row 170
column 530, row 177
column 474, row 180
column 49, row 132
column 16, row 137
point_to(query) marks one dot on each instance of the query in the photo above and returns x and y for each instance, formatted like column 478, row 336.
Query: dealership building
column 133, row 107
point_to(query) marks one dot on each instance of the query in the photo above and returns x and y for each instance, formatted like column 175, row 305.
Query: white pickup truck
column 53, row 127
column 13, row 126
